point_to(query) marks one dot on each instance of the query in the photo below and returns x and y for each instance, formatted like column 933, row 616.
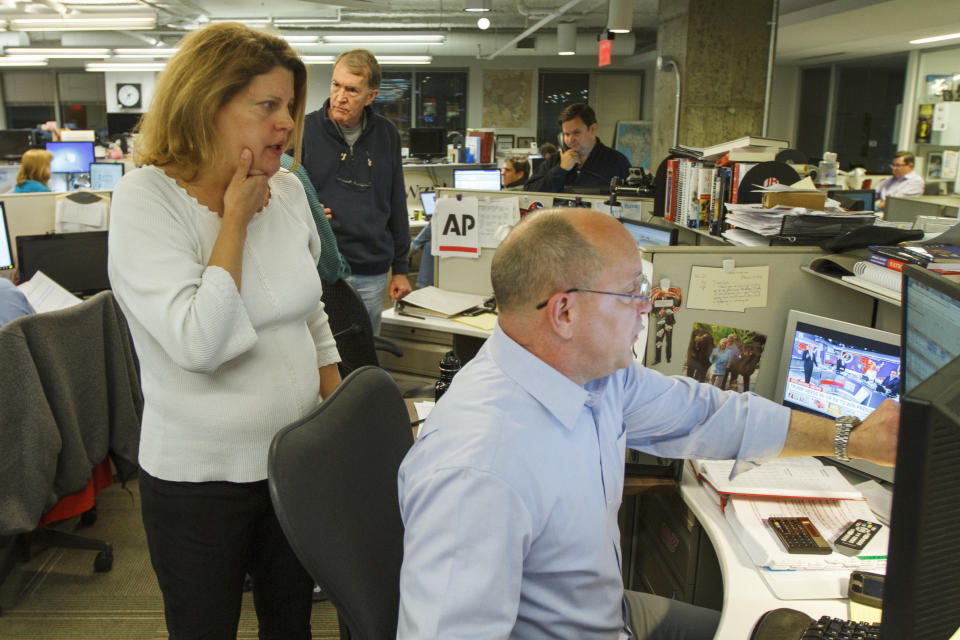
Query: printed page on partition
column 46, row 295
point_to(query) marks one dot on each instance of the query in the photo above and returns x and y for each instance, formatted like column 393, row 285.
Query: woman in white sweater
column 213, row 259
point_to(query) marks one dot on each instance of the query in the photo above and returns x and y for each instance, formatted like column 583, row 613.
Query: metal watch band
column 845, row 425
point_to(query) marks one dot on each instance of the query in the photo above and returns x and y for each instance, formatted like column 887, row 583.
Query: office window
column 394, row 100
column 28, row 116
column 442, row 100
column 557, row 90
column 83, row 100
column 29, row 98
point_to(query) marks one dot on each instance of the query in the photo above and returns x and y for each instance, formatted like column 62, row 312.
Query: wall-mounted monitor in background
column 104, row 176
column 120, row 123
column 428, row 143
column 477, row 179
column 76, row 261
column 931, row 324
column 650, row 235
column 6, row 249
column 832, row 368
column 70, row 157
column 854, row 199
column 13, row 143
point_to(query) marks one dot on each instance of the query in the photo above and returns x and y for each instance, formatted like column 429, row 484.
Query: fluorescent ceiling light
column 305, row 22
column 101, row 3
column 301, row 39
column 318, row 59
column 99, row 23
column 566, row 38
column 125, row 66
column 404, row 59
column 145, row 52
column 62, row 53
column 22, row 61
column 483, row 23
column 476, row 5
column 950, row 36
column 620, row 16
column 247, row 22
column 385, row 39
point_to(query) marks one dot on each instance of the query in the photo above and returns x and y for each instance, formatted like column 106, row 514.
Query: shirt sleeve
column 462, row 559
column 399, row 219
column 192, row 310
column 678, row 417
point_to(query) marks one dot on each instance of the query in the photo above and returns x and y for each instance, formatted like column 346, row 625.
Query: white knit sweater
column 221, row 371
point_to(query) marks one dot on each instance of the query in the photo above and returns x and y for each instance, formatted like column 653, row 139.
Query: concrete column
column 721, row 49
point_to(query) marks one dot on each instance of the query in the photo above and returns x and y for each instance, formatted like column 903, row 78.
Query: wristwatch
column 845, row 425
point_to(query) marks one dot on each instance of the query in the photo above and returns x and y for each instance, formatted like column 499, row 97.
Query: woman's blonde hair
column 35, row 165
column 211, row 67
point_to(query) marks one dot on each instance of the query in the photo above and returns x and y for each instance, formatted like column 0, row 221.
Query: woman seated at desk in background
column 34, row 172
column 213, row 259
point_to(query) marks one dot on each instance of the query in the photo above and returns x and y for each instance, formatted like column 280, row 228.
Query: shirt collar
column 558, row 394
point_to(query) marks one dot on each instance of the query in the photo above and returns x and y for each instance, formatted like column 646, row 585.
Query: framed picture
column 634, row 139
column 505, row 141
column 935, row 165
column 526, row 142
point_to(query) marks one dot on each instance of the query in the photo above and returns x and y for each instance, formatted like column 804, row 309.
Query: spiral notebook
column 876, row 278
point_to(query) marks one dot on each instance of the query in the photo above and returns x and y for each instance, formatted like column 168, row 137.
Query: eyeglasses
column 894, row 164
column 641, row 291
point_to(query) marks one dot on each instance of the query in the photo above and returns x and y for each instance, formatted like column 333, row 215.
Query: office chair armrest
column 382, row 344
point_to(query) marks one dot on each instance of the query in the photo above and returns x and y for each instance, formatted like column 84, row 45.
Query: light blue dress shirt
column 510, row 495
column 909, row 185
column 13, row 303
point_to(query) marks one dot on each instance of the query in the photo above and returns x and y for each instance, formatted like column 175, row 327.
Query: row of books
column 696, row 192
column 745, row 149
column 880, row 272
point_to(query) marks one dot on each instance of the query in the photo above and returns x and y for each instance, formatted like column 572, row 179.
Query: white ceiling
column 811, row 31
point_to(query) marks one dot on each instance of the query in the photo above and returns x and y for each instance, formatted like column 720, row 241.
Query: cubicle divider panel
column 695, row 331
column 30, row 214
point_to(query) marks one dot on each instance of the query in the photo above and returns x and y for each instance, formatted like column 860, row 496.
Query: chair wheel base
column 103, row 562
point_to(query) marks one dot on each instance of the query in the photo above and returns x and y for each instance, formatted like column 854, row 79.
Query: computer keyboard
column 827, row 627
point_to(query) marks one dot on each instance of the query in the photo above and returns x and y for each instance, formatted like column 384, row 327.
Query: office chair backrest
column 350, row 325
column 333, row 482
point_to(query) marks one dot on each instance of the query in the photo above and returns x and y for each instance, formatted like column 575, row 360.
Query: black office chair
column 333, row 482
column 352, row 329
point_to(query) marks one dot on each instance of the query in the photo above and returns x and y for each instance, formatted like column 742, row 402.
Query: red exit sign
column 605, row 53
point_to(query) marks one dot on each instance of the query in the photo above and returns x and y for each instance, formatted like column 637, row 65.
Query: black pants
column 203, row 538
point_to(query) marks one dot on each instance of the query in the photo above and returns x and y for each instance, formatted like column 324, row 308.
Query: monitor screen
column 930, row 308
column 429, row 201
column 832, row 368
column 848, row 198
column 650, row 235
column 6, row 249
column 75, row 261
column 104, row 176
column 477, row 179
column 428, row 142
column 119, row 123
column 70, row 157
column 13, row 143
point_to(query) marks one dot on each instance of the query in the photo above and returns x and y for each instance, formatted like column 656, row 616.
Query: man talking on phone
column 584, row 161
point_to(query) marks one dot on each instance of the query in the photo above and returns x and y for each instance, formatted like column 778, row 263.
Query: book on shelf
column 746, row 142
column 805, row 478
column 753, row 154
column 894, row 257
column 875, row 278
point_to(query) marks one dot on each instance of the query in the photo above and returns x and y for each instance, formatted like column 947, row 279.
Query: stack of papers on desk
column 440, row 302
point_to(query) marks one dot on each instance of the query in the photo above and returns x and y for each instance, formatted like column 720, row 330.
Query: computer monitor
column 120, row 123
column 650, row 235
column 70, row 157
column 75, row 261
column 849, row 199
column 930, row 311
column 428, row 142
column 832, row 368
column 6, row 249
column 922, row 585
column 14, row 142
column 429, row 201
column 477, row 179
column 104, row 176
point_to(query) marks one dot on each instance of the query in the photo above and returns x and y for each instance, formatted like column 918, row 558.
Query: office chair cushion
column 333, row 481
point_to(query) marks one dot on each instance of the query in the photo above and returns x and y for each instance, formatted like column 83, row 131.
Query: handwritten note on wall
column 736, row 289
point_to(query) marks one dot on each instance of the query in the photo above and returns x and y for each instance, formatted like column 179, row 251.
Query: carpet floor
column 56, row 595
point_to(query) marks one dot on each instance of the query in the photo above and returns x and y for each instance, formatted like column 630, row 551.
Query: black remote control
column 852, row 541
column 799, row 535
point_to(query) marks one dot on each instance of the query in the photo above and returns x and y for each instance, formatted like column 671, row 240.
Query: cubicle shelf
column 854, row 286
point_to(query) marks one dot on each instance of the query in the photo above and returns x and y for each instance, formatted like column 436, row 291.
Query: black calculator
column 799, row 535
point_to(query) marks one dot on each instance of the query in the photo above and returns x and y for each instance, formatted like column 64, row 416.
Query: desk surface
column 746, row 595
column 434, row 324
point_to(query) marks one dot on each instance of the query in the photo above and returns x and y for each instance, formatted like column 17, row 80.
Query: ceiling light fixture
column 125, row 66
column 317, row 59
column 145, row 52
column 483, row 23
column 404, row 59
column 950, row 36
column 16, row 61
column 620, row 16
column 62, row 52
column 363, row 39
column 566, row 39
column 476, row 5
column 99, row 23
column 301, row 39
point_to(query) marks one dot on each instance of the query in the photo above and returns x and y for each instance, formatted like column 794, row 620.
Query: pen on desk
column 871, row 557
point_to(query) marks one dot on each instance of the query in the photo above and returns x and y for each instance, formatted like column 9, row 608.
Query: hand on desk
column 875, row 439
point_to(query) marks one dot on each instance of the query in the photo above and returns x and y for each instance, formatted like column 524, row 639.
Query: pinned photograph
column 726, row 357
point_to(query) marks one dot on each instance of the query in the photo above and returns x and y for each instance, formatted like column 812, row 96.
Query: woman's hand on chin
column 246, row 193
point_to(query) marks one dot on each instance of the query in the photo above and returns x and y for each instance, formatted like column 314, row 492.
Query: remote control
column 799, row 535
column 856, row 536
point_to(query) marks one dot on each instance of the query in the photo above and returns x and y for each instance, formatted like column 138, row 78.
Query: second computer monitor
column 477, row 179
column 70, row 157
column 931, row 316
column 650, row 235
column 854, row 199
column 429, row 201
column 6, row 248
column 104, row 176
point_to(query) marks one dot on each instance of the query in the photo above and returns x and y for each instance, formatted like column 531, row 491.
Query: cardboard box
column 787, row 199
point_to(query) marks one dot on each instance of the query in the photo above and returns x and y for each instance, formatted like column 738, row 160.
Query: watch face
column 128, row 95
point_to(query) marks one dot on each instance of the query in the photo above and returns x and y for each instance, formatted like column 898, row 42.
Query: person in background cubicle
column 509, row 496
column 585, row 161
column 903, row 182
column 213, row 259
column 515, row 172
column 547, row 149
column 13, row 303
column 34, row 172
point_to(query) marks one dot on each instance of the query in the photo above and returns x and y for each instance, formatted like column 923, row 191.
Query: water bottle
column 828, row 169
column 448, row 367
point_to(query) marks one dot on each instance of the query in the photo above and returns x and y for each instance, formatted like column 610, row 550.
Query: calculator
column 799, row 535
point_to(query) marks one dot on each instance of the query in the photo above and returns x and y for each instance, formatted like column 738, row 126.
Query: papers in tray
column 782, row 477
column 44, row 294
column 440, row 302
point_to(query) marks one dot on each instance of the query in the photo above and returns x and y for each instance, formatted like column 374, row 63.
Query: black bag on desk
column 863, row 237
